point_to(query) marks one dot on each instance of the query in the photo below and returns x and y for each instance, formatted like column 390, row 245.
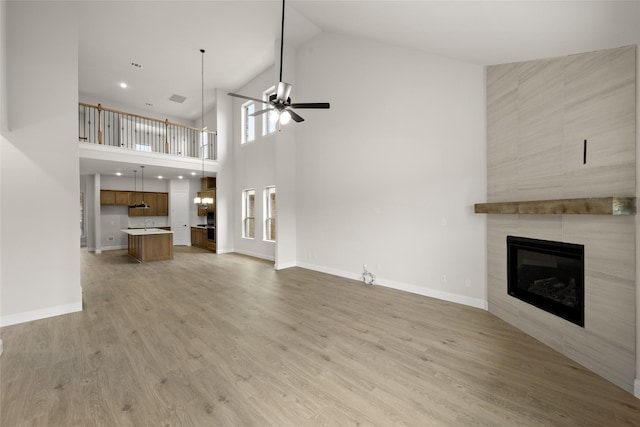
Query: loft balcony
column 107, row 135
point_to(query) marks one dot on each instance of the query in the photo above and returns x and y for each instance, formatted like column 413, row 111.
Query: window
column 248, row 122
column 82, row 215
column 248, row 214
column 270, row 214
column 268, row 126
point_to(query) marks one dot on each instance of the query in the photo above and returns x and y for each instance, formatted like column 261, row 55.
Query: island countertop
column 143, row 232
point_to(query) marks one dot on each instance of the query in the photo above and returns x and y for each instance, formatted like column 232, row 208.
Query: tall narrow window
column 270, row 214
column 82, row 215
column 249, row 214
column 248, row 122
column 268, row 126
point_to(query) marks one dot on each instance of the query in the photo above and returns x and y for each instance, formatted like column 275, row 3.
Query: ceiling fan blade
column 237, row 95
column 282, row 94
column 310, row 105
column 257, row 113
column 296, row 118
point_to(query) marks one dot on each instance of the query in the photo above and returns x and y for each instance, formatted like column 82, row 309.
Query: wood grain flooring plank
column 225, row 340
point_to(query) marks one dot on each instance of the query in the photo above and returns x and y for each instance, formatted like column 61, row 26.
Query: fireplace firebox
column 548, row 275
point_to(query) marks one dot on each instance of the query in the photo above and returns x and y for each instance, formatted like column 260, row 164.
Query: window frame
column 246, row 218
column 246, row 120
column 267, row 125
column 269, row 216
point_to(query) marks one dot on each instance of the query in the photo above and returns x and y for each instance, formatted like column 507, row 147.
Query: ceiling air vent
column 177, row 98
column 135, row 64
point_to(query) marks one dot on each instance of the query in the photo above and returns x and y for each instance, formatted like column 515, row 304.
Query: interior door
column 180, row 218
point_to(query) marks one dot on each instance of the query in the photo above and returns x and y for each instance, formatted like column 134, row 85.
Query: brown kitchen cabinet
column 162, row 203
column 211, row 207
column 199, row 237
column 115, row 198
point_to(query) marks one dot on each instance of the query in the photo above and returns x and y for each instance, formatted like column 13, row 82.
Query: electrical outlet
column 110, row 238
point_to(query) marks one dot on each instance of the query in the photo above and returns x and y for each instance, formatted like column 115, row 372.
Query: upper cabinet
column 158, row 202
column 115, row 198
column 207, row 189
column 162, row 203
column 207, row 183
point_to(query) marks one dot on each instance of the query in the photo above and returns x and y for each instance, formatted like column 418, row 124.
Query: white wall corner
column 255, row 254
column 636, row 388
column 284, row 265
column 29, row 316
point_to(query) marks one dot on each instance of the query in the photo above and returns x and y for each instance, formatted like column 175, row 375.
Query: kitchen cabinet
column 115, row 198
column 210, row 207
column 138, row 198
column 199, row 237
column 159, row 202
column 123, row 198
column 162, row 203
column 207, row 183
column 107, row 197
column 150, row 199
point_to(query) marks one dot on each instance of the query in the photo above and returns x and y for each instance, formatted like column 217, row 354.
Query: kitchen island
column 151, row 244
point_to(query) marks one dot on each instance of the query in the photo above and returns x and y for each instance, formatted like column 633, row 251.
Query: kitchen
column 172, row 207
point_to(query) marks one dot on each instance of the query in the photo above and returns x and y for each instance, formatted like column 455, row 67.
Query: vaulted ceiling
column 239, row 37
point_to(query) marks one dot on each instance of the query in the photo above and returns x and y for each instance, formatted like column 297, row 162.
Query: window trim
column 245, row 217
column 244, row 122
column 266, row 123
column 267, row 212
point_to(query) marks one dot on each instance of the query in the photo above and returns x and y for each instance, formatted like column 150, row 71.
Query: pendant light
column 202, row 201
column 142, row 204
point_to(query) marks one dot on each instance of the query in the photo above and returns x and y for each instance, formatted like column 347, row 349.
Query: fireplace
column 548, row 275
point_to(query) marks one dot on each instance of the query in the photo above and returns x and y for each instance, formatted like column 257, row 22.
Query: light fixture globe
column 285, row 117
column 274, row 116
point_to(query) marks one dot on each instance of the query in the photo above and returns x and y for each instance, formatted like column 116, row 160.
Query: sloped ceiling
column 240, row 38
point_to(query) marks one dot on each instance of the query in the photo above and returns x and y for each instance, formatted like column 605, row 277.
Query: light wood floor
column 224, row 340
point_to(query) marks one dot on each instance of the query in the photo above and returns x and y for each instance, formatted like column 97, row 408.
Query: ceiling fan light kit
column 279, row 105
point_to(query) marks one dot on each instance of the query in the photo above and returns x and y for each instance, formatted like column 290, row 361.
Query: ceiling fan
column 279, row 105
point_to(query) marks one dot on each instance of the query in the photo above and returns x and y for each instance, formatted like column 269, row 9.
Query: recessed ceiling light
column 119, row 173
column 159, row 176
column 180, row 177
column 193, row 173
column 148, row 104
column 123, row 85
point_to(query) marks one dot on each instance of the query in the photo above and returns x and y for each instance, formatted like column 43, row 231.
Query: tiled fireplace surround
column 538, row 115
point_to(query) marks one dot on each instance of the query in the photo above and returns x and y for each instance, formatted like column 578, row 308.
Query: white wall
column 636, row 383
column 389, row 175
column 3, row 119
column 89, row 99
column 40, row 264
column 254, row 167
column 225, row 226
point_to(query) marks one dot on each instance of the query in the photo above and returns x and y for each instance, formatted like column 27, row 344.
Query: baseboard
column 28, row 316
column 283, row 265
column 255, row 255
column 225, row 251
column 419, row 290
column 636, row 388
column 114, row 247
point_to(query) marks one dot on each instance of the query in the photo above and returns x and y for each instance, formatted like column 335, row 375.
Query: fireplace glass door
column 548, row 275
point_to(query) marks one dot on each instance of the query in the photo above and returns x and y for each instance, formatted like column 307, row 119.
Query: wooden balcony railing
column 100, row 125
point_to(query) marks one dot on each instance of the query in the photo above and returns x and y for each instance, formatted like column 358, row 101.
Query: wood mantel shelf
column 590, row 206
